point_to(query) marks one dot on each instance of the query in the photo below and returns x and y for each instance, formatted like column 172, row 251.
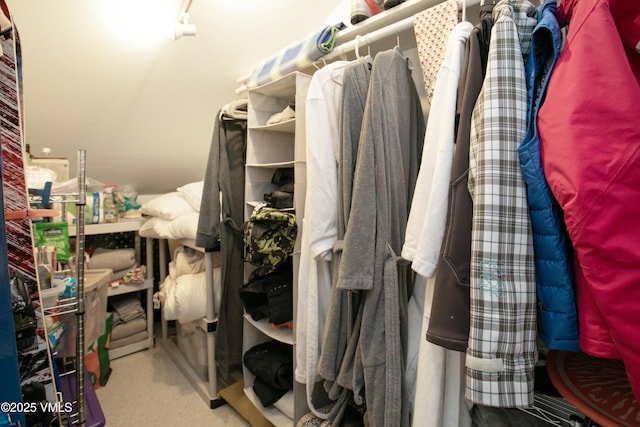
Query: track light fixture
column 183, row 27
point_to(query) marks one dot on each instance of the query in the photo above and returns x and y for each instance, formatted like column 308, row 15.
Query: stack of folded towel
column 121, row 261
column 129, row 321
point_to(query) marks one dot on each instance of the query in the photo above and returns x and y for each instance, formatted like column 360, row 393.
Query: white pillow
column 193, row 193
column 183, row 227
column 154, row 228
column 168, row 206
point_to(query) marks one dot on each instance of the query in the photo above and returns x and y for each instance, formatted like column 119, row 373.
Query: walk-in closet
column 372, row 213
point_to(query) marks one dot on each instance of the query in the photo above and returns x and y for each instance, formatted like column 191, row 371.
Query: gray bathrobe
column 336, row 363
column 389, row 152
column 225, row 174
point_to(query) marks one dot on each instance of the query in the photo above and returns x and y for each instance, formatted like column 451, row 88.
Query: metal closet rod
column 389, row 30
column 380, row 26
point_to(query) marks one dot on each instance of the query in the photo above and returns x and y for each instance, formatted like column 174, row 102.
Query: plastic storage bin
column 49, row 297
column 95, row 300
column 192, row 342
column 94, row 415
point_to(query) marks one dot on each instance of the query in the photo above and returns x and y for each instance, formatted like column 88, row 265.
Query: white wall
column 103, row 75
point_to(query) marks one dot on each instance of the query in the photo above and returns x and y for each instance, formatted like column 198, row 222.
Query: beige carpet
column 147, row 389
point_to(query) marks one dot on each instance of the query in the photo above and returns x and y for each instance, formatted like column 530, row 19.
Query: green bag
column 270, row 235
column 97, row 360
column 53, row 234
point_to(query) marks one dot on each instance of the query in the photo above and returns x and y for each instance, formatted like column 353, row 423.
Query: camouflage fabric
column 269, row 237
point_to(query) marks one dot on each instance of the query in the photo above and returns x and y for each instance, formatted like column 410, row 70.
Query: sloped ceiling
column 103, row 75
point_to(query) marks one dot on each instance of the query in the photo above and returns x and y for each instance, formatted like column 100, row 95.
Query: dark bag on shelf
column 272, row 364
column 279, row 199
column 270, row 296
column 269, row 236
column 282, row 176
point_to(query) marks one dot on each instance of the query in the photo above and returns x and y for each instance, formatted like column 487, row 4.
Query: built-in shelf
column 254, row 203
column 109, row 227
column 274, row 415
column 270, row 147
column 273, row 165
column 128, row 288
column 284, row 335
column 287, row 126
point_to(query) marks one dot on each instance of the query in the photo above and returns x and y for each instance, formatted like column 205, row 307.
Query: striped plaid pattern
column 502, row 350
column 19, row 239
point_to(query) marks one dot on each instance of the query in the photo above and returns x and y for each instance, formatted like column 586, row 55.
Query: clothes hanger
column 31, row 214
column 357, row 48
column 397, row 46
column 317, row 66
column 369, row 59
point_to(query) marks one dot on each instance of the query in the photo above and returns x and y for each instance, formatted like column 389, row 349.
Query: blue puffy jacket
column 557, row 315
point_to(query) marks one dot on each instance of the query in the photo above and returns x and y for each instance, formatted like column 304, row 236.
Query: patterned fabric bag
column 269, row 237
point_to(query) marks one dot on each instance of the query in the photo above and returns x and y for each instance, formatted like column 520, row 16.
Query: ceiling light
column 183, row 27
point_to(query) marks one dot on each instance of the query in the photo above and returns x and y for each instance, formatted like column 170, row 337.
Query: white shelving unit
column 207, row 387
column 270, row 147
column 132, row 225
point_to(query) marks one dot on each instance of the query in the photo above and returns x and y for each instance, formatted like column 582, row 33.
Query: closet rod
column 380, row 20
column 369, row 38
column 389, row 30
column 385, row 24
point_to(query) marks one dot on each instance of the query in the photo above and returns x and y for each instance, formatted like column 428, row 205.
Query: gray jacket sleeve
column 209, row 218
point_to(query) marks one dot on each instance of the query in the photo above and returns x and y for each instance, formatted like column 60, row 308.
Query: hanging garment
column 449, row 322
column 590, row 145
column 389, row 153
column 502, row 339
column 427, row 216
column 336, row 369
column 432, row 28
column 423, row 238
column 319, row 228
column 557, row 316
column 225, row 174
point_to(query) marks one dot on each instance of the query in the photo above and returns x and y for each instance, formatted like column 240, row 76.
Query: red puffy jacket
column 589, row 130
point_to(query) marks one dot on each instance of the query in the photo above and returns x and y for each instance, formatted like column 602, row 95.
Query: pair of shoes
column 388, row 4
column 287, row 114
column 363, row 9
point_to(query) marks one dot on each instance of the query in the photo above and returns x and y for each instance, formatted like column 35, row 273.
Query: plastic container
column 93, row 411
column 95, row 300
column 49, row 297
column 110, row 207
column 44, row 268
column 192, row 342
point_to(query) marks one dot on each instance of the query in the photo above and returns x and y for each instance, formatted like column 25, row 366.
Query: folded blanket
column 115, row 259
column 125, row 329
column 296, row 56
column 127, row 307
column 184, row 298
column 131, row 339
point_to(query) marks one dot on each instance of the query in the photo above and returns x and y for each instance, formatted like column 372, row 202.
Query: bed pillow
column 183, row 227
column 193, row 193
column 168, row 206
column 154, row 228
